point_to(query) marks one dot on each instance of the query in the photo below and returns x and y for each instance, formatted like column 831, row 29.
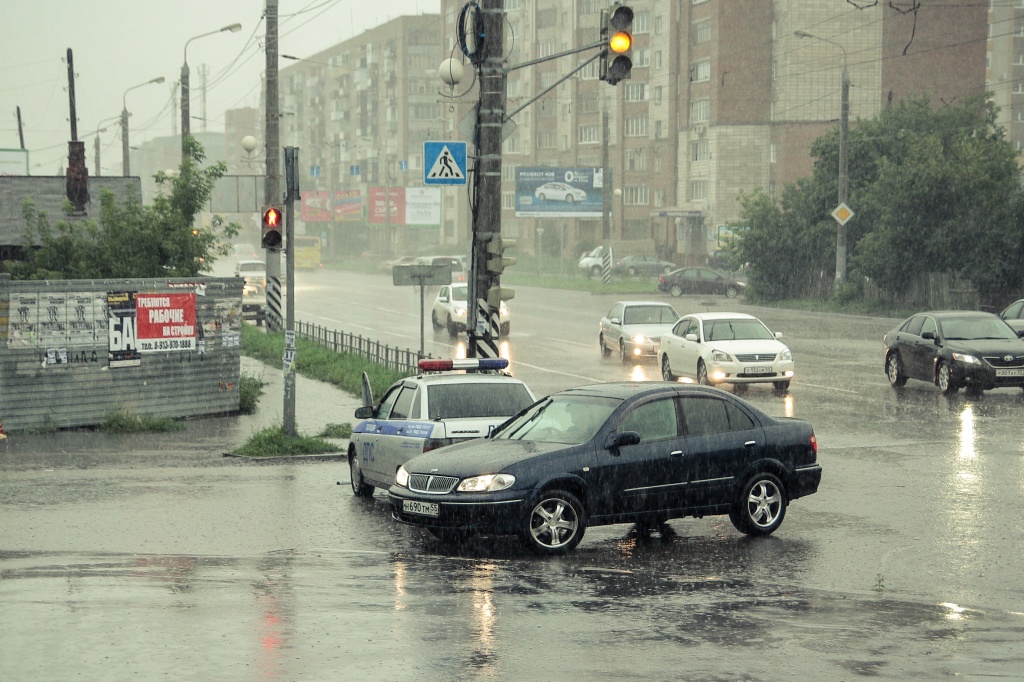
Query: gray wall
column 59, row 361
column 48, row 194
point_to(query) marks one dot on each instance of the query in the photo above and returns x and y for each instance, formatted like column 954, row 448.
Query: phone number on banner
column 166, row 344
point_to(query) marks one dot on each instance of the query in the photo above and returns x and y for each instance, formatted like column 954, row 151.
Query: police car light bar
column 462, row 363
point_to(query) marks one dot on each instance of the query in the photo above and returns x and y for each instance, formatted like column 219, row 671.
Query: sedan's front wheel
column 623, row 355
column 702, row 374
column 761, row 506
column 666, row 369
column 944, row 377
column 555, row 523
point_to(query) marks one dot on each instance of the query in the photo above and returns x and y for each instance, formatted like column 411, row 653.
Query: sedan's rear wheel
column 894, row 370
column 666, row 369
column 731, row 291
column 944, row 377
column 702, row 374
column 555, row 523
column 360, row 488
column 761, row 505
column 675, row 290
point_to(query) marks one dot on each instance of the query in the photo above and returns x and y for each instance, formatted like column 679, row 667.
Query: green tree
column 934, row 190
column 132, row 240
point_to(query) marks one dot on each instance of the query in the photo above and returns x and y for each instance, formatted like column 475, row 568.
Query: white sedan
column 450, row 310
column 725, row 348
column 559, row 191
column 635, row 328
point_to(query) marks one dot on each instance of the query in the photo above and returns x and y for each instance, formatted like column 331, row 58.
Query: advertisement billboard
column 322, row 207
column 559, row 192
column 13, row 162
column 409, row 206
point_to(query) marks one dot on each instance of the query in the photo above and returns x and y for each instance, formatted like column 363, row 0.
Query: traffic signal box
column 496, row 263
column 273, row 221
column 617, row 36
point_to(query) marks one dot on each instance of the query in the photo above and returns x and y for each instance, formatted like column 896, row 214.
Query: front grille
column 432, row 485
column 1005, row 361
column 756, row 357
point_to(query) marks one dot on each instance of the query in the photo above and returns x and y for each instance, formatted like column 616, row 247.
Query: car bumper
column 751, row 373
column 497, row 513
column 985, row 377
column 805, row 481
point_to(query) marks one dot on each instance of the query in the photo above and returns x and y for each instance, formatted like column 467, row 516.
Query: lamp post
column 233, row 28
column 844, row 189
column 125, row 162
column 96, row 150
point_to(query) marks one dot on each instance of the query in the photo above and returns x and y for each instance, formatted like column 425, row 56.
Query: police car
column 437, row 407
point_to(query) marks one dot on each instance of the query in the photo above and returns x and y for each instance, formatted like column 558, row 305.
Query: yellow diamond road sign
column 842, row 214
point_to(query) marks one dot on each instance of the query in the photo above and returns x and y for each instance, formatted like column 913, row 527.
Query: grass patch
column 344, row 370
column 124, row 421
column 250, row 389
column 867, row 308
column 336, row 431
column 274, row 442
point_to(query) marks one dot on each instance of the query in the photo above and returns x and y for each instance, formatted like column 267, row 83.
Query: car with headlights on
column 725, row 348
column 700, row 282
column 450, row 309
column 634, row 329
column 254, row 303
column 640, row 452
column 449, row 401
column 955, row 349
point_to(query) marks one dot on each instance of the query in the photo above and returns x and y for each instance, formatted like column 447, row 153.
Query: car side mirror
column 691, row 337
column 928, row 335
column 615, row 320
column 364, row 412
column 617, row 440
column 1020, row 333
column 443, row 299
column 778, row 335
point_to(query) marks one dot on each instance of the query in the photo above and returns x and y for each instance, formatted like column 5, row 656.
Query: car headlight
column 966, row 359
column 720, row 356
column 490, row 483
column 639, row 338
column 402, row 477
column 460, row 311
column 504, row 310
column 787, row 355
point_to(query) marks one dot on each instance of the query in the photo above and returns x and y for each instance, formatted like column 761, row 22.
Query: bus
column 307, row 252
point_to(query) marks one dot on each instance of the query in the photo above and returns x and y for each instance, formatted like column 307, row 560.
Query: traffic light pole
column 291, row 163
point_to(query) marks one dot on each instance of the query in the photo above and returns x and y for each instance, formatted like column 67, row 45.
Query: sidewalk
column 317, row 404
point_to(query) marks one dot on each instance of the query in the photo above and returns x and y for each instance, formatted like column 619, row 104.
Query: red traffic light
column 272, row 217
column 272, row 237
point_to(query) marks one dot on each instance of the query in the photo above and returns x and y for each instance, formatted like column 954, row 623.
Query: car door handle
column 750, row 444
column 676, row 453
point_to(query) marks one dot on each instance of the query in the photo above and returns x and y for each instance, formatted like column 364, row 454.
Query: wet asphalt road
column 154, row 557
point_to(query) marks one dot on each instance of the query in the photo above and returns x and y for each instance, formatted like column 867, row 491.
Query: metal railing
column 402, row 360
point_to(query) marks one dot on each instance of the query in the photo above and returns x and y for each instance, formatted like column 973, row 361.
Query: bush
column 274, row 442
column 250, row 389
column 124, row 421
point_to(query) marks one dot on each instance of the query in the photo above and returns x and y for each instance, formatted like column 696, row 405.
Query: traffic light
column 617, row 36
column 496, row 260
column 272, row 223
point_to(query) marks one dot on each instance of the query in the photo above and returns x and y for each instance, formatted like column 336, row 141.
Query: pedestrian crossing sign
column 444, row 163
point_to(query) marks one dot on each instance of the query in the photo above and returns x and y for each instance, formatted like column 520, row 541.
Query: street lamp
column 125, row 163
column 844, row 188
column 233, row 28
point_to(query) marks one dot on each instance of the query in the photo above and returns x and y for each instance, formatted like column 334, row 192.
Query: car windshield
column 978, row 328
column 649, row 314
column 251, row 267
column 568, row 419
column 468, row 400
column 459, row 293
column 735, row 330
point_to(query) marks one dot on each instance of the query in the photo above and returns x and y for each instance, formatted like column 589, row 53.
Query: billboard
column 322, row 207
column 559, row 192
column 409, row 206
column 14, row 162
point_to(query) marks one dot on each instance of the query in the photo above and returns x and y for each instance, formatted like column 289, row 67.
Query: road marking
column 831, row 388
column 554, row 371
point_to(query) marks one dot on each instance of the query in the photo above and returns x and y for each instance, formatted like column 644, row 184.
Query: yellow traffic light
column 620, row 42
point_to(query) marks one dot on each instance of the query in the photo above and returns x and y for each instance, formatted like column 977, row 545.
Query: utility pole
column 204, row 72
column 272, row 182
column 96, row 153
column 21, row 130
column 606, row 197
column 844, row 179
column 483, row 316
column 291, row 164
column 77, row 188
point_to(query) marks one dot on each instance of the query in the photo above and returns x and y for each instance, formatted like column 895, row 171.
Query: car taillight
column 661, row 280
column 814, row 445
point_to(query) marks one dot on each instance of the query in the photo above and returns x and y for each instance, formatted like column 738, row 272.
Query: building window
column 642, row 22
column 1018, row 88
column 700, row 111
column 508, row 173
column 588, row 105
column 637, row 160
column 588, row 135
column 635, row 195
column 700, row 71
column 772, row 152
column 547, row 139
column 659, row 197
column 636, row 126
column 698, row 190
column 699, row 150
column 659, row 24
column 657, row 94
column 1018, row 60
column 508, row 201
column 657, row 59
column 591, row 71
column 641, row 57
column 592, row 6
column 657, row 130
column 512, row 4
column 636, row 92
column 701, row 31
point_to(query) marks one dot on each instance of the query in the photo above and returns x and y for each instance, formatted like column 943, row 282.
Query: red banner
column 165, row 322
column 318, row 207
column 378, row 212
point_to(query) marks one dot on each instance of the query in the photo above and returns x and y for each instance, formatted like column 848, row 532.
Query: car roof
column 629, row 389
column 252, row 262
column 721, row 316
column 457, row 377
column 657, row 303
column 952, row 314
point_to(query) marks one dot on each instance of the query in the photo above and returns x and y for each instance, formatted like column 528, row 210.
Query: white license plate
column 757, row 370
column 1010, row 372
column 421, row 508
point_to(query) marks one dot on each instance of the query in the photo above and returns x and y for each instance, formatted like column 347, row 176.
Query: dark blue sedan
column 638, row 453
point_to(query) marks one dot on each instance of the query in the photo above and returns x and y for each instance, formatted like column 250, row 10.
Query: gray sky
column 118, row 44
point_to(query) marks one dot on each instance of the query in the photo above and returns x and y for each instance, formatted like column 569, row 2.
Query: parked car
column 254, row 303
column 700, row 281
column 634, row 328
column 638, row 453
column 592, row 262
column 955, row 349
column 641, row 265
column 450, row 308
column 1014, row 315
column 559, row 191
column 725, row 348
column 253, row 271
column 449, row 401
